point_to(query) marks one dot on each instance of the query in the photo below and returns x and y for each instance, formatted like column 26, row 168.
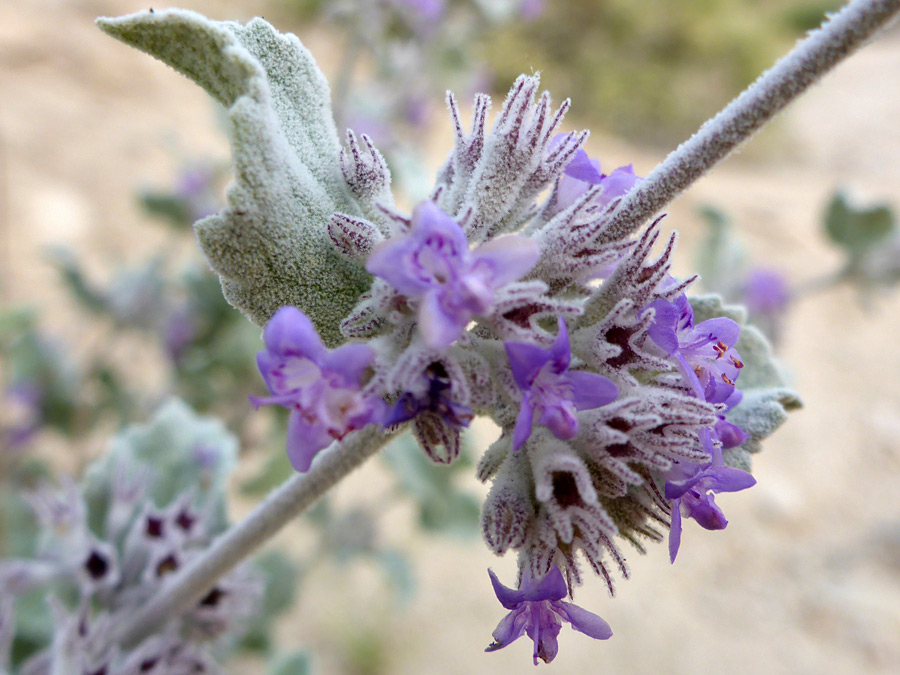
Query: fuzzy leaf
column 270, row 245
column 855, row 228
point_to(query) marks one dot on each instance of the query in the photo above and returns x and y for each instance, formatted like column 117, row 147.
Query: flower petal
column 727, row 479
column 586, row 622
column 675, row 531
column 509, row 258
column 721, row 328
column 510, row 629
column 551, row 587
column 304, row 441
column 290, row 333
column 526, row 362
column 560, row 353
column 591, row 390
column 508, row 597
column 350, row 360
column 438, row 328
column 523, row 424
column 583, row 168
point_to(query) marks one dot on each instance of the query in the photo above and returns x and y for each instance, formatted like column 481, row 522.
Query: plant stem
column 285, row 503
column 772, row 91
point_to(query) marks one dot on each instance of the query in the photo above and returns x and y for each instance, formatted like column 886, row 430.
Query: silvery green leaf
column 270, row 244
column 855, row 228
column 295, row 663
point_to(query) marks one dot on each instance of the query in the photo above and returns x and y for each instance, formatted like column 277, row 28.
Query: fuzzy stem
column 787, row 79
column 283, row 505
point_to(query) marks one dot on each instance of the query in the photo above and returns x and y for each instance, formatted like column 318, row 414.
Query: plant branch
column 284, row 504
column 792, row 75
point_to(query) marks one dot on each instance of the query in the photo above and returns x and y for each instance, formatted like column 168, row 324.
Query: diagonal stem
column 786, row 80
column 283, row 505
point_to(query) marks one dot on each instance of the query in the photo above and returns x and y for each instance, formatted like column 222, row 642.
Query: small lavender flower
column 692, row 495
column 582, row 172
column 705, row 353
column 433, row 265
column 551, row 390
column 537, row 609
column 320, row 387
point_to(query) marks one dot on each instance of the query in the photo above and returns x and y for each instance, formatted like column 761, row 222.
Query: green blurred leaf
column 399, row 572
column 857, row 229
column 295, row 663
column 442, row 506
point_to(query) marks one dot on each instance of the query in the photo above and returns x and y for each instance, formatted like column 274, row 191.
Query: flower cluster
column 612, row 400
column 99, row 551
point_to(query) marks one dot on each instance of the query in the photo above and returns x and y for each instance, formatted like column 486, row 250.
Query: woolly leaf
column 270, row 245
column 857, row 229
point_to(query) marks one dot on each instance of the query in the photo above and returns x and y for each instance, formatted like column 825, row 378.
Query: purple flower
column 705, row 353
column 691, row 491
column 766, row 292
column 320, row 387
column 433, row 264
column 551, row 391
column 434, row 397
column 426, row 10
column 582, row 172
column 538, row 610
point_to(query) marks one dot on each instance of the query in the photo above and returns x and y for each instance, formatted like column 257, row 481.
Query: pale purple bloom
column 705, row 353
column 427, row 10
column 537, row 609
column 320, row 387
column 582, row 172
column 531, row 9
column 766, row 292
column 551, row 391
column 433, row 264
column 691, row 491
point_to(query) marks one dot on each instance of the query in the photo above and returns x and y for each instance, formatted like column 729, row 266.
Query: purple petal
column 290, row 333
column 618, row 183
column 350, row 360
column 675, row 531
column 583, row 168
column 510, row 629
column 304, row 441
column 707, row 513
column 662, row 330
column 509, row 258
column 526, row 362
column 591, row 390
column 561, row 420
column 586, row 622
column 551, row 587
column 722, row 328
column 392, row 260
column 559, row 351
column 727, row 479
column 730, row 434
column 439, row 329
column 544, row 634
column 523, row 424
column 508, row 597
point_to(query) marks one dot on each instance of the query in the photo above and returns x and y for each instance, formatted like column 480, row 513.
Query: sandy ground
column 806, row 579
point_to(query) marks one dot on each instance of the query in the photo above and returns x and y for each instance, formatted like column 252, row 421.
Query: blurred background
column 107, row 156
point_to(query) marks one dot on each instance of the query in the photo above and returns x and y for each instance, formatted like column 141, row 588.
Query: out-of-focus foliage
column 652, row 70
